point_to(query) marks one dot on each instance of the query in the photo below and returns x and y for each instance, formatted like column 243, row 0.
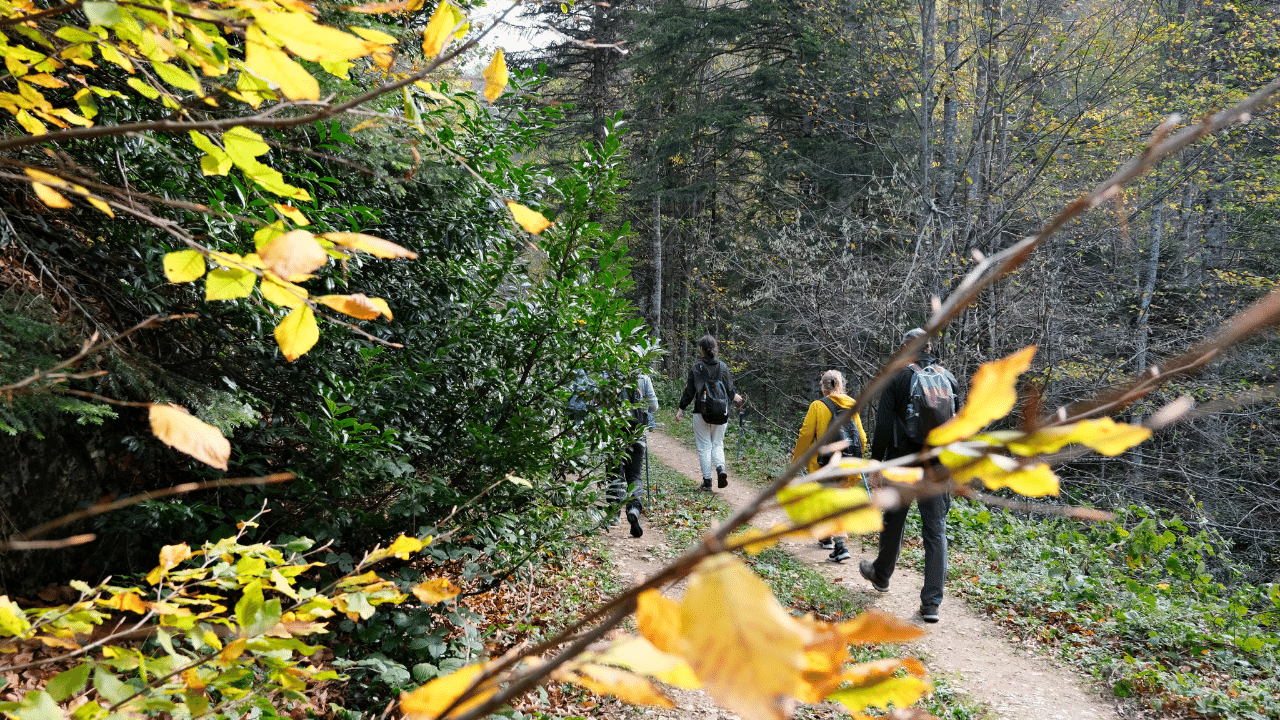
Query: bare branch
column 152, row 495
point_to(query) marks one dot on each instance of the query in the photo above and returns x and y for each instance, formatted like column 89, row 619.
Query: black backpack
column 931, row 403
column 638, row 412
column 711, row 395
column 848, row 432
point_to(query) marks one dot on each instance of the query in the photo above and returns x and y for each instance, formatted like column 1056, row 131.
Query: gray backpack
column 932, row 401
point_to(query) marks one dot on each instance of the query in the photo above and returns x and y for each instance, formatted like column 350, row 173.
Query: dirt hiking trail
column 971, row 651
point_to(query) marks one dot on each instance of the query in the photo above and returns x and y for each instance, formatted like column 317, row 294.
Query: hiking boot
column 722, row 478
column 839, row 554
column 929, row 613
column 827, row 544
column 868, row 572
column 633, row 517
column 706, row 484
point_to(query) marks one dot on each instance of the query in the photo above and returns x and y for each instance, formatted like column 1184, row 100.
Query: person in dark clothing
column 708, row 431
column 626, row 479
column 890, row 441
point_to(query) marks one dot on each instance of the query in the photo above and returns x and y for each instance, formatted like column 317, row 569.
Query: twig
column 152, row 495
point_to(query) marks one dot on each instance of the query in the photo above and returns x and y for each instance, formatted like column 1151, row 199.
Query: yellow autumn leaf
column 438, row 31
column 293, row 255
column 530, row 220
column 184, row 432
column 13, row 620
column 308, row 39
column 127, row 601
column 807, row 501
column 375, row 246
column 229, row 284
column 747, row 539
column 626, row 686
column 639, row 655
column 992, row 395
column 268, row 61
column 234, row 649
column 297, row 333
column 382, row 307
column 825, row 655
column 1036, row 481
column 282, row 293
column 101, row 206
column 357, row 305
column 999, row 471
column 740, row 641
column 405, row 546
column 435, row 591
column 495, row 77
column 50, row 197
column 428, row 701
column 876, row 627
column 900, row 691
column 658, row 618
column 45, row 80
column 292, row 213
column 30, row 124
column 183, row 266
column 172, row 555
column 904, row 475
column 1103, row 434
column 191, row 678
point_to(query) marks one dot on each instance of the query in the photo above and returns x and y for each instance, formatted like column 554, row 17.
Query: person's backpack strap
column 832, row 408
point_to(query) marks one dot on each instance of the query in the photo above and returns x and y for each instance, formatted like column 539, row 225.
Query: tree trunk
column 950, row 128
column 1149, row 288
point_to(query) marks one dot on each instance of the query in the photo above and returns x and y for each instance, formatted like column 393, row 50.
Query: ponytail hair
column 832, row 381
column 709, row 347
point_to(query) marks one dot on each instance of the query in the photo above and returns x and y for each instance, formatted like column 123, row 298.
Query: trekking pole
column 647, row 493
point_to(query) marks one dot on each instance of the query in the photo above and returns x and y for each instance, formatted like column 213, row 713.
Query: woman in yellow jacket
column 815, row 423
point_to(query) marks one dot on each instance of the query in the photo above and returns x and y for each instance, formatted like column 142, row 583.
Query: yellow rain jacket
column 815, row 423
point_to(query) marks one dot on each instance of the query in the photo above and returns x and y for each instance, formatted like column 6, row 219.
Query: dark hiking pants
column 933, row 517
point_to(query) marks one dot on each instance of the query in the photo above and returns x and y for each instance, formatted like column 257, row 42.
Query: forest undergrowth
column 1150, row 604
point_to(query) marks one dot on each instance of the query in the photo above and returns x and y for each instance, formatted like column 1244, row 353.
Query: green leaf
column 143, row 89
column 180, row 79
column 39, row 705
column 68, row 683
column 229, row 284
column 75, row 35
column 109, row 686
column 102, row 13
column 89, row 711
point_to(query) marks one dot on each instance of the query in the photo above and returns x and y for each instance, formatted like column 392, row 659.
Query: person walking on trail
column 821, row 412
column 626, row 480
column 709, row 387
column 920, row 397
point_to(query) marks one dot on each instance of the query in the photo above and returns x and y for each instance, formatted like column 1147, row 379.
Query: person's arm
column 808, row 431
column 857, row 420
column 686, row 397
column 886, row 416
column 646, row 388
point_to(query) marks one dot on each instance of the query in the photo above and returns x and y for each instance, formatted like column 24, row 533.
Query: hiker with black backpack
column 709, row 387
column 920, row 397
column 821, row 412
